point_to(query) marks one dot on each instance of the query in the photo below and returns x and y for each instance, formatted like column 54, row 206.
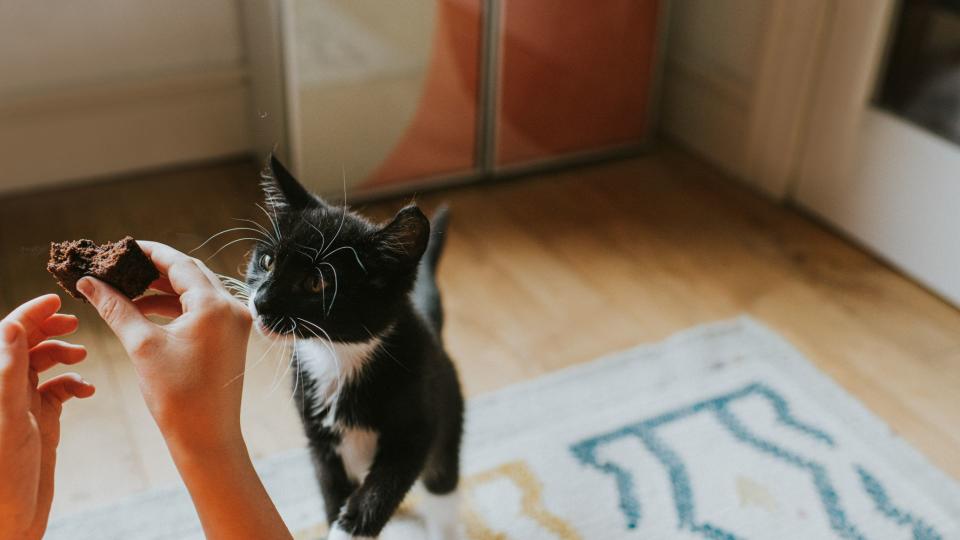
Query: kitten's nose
column 262, row 303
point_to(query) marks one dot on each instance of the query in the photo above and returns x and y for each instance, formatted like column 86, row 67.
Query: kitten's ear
column 405, row 238
column 281, row 189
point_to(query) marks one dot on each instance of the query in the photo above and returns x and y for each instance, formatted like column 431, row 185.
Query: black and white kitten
column 382, row 403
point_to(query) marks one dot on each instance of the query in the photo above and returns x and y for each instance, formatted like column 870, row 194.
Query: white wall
column 710, row 72
column 102, row 87
column 738, row 83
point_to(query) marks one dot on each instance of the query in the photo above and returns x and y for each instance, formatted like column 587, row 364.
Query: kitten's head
column 329, row 272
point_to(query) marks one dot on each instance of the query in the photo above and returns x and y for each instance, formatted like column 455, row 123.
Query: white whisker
column 343, row 213
column 221, row 233
column 385, row 350
column 295, row 356
column 327, row 343
column 277, row 376
column 259, row 226
column 276, row 227
column 263, row 357
column 276, row 220
column 339, row 228
column 336, row 284
column 312, row 258
column 323, row 240
column 323, row 293
column 354, row 254
column 236, row 288
column 328, row 340
column 228, row 244
column 289, row 364
column 316, row 252
column 230, row 281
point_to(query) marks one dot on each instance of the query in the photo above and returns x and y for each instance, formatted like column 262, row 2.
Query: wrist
column 199, row 430
column 199, row 449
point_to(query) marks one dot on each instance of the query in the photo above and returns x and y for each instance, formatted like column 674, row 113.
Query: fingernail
column 85, row 286
column 10, row 332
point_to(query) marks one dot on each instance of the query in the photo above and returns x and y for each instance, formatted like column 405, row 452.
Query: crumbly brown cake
column 121, row 264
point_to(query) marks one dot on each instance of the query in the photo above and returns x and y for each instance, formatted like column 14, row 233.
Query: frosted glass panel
column 384, row 92
column 576, row 75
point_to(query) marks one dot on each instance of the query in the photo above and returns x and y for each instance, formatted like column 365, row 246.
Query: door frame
column 854, row 46
column 852, row 172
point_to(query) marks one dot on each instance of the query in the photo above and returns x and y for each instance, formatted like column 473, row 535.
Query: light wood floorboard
column 539, row 274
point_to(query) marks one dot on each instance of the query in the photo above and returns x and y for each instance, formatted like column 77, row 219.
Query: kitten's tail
column 426, row 295
column 438, row 233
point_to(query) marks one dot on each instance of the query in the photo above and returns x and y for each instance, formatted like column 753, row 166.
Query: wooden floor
column 539, row 274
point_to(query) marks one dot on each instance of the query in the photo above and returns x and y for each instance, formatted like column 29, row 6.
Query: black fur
column 407, row 391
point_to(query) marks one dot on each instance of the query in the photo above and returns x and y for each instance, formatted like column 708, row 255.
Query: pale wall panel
column 53, row 45
column 107, row 87
column 711, row 72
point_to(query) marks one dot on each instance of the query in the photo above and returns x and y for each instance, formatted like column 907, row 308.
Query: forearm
column 48, row 464
column 227, row 493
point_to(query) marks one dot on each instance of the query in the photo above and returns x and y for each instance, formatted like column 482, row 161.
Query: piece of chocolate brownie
column 121, row 264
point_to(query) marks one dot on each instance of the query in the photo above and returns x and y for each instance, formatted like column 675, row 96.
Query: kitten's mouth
column 268, row 326
column 272, row 327
column 269, row 329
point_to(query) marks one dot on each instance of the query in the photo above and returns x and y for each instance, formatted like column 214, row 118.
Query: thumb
column 120, row 314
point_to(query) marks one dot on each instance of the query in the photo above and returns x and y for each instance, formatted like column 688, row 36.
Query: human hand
column 189, row 369
column 189, row 372
column 30, row 411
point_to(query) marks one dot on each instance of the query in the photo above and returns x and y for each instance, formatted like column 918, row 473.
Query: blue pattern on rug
column 921, row 531
column 586, row 452
column 828, row 495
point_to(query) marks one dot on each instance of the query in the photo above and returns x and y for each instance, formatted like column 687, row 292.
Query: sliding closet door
column 385, row 96
column 575, row 76
column 381, row 94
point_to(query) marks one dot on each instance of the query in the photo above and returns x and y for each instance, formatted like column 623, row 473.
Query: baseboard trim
column 707, row 111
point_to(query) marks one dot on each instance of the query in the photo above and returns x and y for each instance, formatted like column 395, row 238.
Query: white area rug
column 722, row 431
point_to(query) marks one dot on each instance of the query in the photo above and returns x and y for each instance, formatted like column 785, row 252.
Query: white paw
column 441, row 513
column 442, row 533
column 336, row 533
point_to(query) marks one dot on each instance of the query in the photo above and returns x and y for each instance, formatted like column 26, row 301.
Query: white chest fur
column 331, row 365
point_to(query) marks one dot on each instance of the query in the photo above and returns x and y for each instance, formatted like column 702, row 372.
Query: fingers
column 13, row 366
column 160, row 304
column 58, row 324
column 162, row 255
column 41, row 321
column 217, row 284
column 166, row 258
column 120, row 314
column 196, row 284
column 62, row 388
column 50, row 353
column 183, row 272
column 33, row 314
column 163, row 285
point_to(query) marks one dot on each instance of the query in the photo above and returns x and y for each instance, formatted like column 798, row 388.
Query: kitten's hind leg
column 441, row 505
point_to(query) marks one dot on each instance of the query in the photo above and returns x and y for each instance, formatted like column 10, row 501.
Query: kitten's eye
column 316, row 284
column 266, row 262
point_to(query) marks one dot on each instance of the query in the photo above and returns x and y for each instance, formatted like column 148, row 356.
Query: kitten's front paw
column 336, row 533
